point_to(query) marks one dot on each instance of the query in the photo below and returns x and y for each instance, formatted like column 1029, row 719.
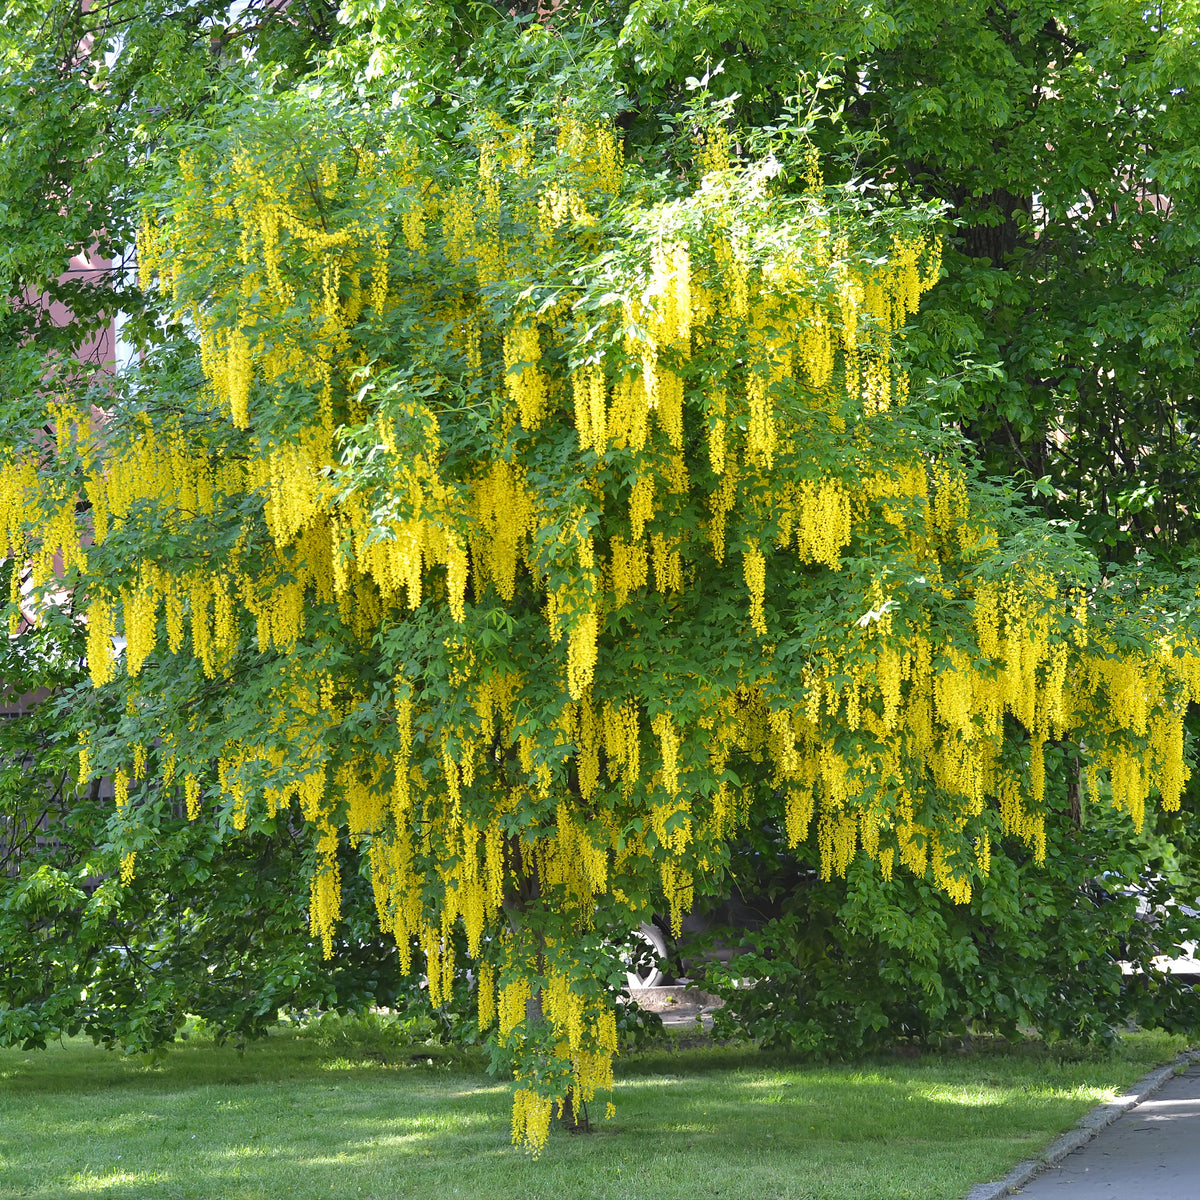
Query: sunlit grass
column 292, row 1120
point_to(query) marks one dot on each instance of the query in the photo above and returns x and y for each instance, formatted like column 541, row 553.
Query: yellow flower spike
column 754, row 573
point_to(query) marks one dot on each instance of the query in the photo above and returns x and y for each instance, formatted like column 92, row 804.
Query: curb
column 1089, row 1125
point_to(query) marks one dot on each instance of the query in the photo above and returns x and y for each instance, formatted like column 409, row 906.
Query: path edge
column 1089, row 1125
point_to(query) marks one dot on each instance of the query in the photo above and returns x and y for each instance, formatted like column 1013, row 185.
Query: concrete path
column 1147, row 1148
column 679, row 1006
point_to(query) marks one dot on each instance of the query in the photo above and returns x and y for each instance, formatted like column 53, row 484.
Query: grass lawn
column 292, row 1119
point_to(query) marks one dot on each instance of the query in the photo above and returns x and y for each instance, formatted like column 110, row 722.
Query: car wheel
column 649, row 948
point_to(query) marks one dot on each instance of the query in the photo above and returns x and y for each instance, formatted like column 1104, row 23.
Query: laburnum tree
column 532, row 521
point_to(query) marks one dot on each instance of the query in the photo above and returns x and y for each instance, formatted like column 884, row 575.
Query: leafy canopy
column 535, row 522
column 534, row 519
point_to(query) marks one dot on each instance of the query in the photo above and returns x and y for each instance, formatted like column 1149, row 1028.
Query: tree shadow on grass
column 77, row 1066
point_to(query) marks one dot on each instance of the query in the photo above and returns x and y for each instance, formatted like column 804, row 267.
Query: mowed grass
column 291, row 1120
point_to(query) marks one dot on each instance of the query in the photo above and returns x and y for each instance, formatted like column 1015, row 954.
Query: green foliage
column 843, row 967
column 217, row 930
column 380, row 1036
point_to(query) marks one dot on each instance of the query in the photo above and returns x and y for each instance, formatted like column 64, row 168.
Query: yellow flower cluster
column 531, row 1116
column 585, row 1042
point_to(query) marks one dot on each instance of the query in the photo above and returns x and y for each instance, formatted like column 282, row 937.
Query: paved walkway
column 679, row 1006
column 1150, row 1152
